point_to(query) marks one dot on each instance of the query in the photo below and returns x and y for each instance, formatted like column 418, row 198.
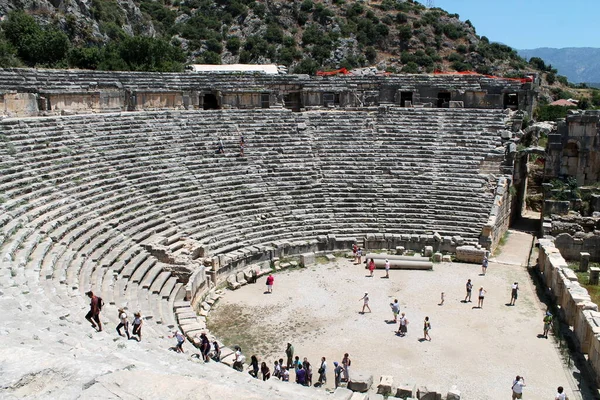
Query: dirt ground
column 478, row 350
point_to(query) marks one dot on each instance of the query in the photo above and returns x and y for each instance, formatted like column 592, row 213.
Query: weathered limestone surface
column 386, row 385
column 360, row 382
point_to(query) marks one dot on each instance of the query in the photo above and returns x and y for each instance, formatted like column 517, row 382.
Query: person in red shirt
column 270, row 281
column 94, row 314
column 371, row 267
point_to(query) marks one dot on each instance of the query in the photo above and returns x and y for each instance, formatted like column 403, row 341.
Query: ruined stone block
column 428, row 251
column 437, row 257
column 360, row 382
column 406, row 391
column 307, row 259
column 386, row 383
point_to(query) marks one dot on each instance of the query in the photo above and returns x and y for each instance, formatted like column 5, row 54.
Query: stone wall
column 575, row 306
column 31, row 92
column 574, row 150
column 571, row 246
column 500, row 215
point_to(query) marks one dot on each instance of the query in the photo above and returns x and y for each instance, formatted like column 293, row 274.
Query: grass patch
column 321, row 260
column 584, row 280
column 501, row 243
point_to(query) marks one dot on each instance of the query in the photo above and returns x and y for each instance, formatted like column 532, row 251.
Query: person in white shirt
column 514, row 293
column 124, row 323
column 561, row 395
column 365, row 300
column 387, row 268
column 517, row 387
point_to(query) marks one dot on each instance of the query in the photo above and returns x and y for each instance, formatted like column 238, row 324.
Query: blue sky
column 528, row 24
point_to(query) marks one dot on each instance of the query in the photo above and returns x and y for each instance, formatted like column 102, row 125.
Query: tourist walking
column 403, row 328
column 180, row 339
column 346, row 362
column 93, row 316
column 123, row 323
column 323, row 371
column 253, row 367
column 371, row 267
column 289, row 352
column 482, row 293
column 365, row 300
column 395, row 309
column 220, row 148
column 338, row 370
column 270, row 281
column 216, row 354
column 204, row 347
column 308, row 368
column 137, row 325
column 387, row 268
column 517, row 387
column 426, row 329
column 442, row 298
column 238, row 359
column 359, row 255
column 547, row 323
column 514, row 293
column 264, row 370
column 484, row 264
column 560, row 394
column 469, row 287
column 354, row 251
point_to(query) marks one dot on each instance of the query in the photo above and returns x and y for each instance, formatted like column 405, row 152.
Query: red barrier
column 522, row 80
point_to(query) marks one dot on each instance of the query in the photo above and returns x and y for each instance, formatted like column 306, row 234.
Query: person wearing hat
column 124, row 323
column 338, row 370
column 365, row 300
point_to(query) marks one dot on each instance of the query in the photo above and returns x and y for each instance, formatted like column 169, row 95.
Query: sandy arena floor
column 478, row 350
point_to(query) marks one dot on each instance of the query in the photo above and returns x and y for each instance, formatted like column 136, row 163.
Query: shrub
column 551, row 113
column 210, row 57
column 306, row 6
column 354, row 10
column 274, row 33
column 233, row 44
column 404, row 33
column 453, row 31
column 550, row 78
column 370, row 54
column 538, row 63
column 322, row 14
column 411, row 68
column 461, row 48
column 306, row 66
column 401, row 18
column 461, row 66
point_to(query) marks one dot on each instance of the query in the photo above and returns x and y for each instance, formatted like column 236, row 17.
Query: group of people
column 303, row 370
column 519, row 383
column 221, row 148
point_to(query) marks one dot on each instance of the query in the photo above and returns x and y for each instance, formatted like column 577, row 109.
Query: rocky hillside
column 305, row 35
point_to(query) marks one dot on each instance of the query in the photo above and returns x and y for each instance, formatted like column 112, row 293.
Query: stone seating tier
column 80, row 194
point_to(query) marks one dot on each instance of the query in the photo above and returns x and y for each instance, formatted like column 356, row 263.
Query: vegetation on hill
column 305, row 35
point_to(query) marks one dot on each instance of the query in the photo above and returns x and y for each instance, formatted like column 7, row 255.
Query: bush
column 551, row 113
column 401, row 18
column 411, row 68
column 210, row 57
column 354, row 10
column 307, row 66
column 404, row 33
column 461, row 48
column 322, row 14
column 550, row 78
column 537, row 63
column 33, row 44
column 461, row 66
column 371, row 54
column 274, row 33
column 306, row 6
column 233, row 44
column 453, row 31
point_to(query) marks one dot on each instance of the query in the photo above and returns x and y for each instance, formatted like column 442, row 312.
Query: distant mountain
column 578, row 64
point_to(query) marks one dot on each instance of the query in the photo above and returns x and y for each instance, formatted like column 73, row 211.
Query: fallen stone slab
column 360, row 382
column 342, row 393
column 423, row 393
column 453, row 394
column 330, row 257
column 386, row 383
column 360, row 396
column 406, row 391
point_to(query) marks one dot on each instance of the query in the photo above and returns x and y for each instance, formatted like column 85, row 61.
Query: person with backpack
column 93, row 316
column 517, row 387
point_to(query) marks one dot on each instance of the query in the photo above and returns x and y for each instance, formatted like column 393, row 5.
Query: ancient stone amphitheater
column 110, row 182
